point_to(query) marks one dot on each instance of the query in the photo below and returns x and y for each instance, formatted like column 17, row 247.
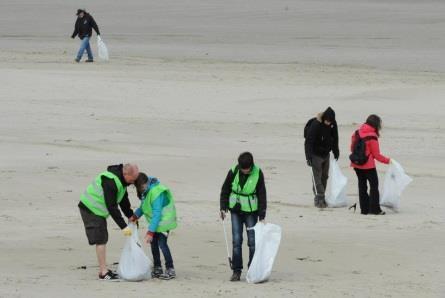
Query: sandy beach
column 190, row 85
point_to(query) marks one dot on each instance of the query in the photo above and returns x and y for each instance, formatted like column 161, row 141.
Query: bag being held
column 134, row 265
column 337, row 186
column 102, row 49
column 267, row 242
column 395, row 182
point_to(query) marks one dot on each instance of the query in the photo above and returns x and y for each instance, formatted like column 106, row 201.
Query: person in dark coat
column 83, row 28
column 322, row 138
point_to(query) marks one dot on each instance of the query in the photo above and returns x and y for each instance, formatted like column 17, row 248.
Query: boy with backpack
column 321, row 137
column 158, row 206
column 365, row 148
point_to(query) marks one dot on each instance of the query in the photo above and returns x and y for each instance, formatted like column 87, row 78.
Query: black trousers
column 369, row 203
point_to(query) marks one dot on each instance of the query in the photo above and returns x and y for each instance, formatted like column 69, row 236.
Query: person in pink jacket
column 370, row 132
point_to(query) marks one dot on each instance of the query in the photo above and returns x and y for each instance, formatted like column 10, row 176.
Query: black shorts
column 95, row 227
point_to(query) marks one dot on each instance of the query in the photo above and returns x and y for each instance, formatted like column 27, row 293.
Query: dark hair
column 245, row 160
column 139, row 183
column 376, row 122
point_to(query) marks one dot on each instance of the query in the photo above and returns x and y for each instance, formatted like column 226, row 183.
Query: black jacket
column 110, row 193
column 84, row 27
column 260, row 192
column 321, row 139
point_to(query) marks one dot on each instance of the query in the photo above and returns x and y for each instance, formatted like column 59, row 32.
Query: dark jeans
column 369, row 203
column 320, row 168
column 238, row 221
column 160, row 241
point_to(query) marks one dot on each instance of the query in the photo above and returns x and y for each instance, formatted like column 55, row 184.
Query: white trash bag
column 395, row 182
column 102, row 49
column 337, row 186
column 267, row 242
column 134, row 265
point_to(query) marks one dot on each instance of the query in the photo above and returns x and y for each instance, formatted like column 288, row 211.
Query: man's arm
column 126, row 206
column 262, row 196
column 110, row 195
column 310, row 140
column 94, row 25
column 225, row 191
column 335, row 149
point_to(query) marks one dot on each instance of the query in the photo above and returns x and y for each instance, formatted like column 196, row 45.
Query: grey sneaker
column 157, row 272
column 169, row 274
column 236, row 276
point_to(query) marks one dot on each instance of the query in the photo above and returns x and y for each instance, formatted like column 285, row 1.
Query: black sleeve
column 310, row 140
column 94, row 25
column 225, row 191
column 110, row 194
column 262, row 196
column 335, row 149
column 126, row 206
column 76, row 29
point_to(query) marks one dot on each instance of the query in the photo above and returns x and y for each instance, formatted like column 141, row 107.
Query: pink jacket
column 372, row 148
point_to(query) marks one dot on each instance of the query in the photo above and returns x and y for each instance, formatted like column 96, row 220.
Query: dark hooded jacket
column 321, row 138
column 84, row 26
column 110, row 194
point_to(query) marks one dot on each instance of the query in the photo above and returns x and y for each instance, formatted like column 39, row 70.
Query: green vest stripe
column 95, row 204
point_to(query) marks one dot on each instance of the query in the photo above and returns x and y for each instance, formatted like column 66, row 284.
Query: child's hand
column 148, row 237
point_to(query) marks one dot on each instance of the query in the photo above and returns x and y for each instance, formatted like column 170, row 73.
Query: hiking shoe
column 236, row 276
column 157, row 272
column 89, row 60
column 169, row 274
column 109, row 276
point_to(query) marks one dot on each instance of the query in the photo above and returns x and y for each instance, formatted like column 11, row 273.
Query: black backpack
column 306, row 127
column 358, row 155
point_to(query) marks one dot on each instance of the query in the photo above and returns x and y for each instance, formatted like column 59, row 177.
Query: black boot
column 236, row 276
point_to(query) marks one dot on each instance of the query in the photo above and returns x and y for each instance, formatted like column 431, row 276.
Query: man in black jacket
column 322, row 138
column 83, row 28
column 100, row 200
column 244, row 194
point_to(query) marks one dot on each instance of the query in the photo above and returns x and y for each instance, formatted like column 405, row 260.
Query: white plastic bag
column 395, row 182
column 337, row 186
column 134, row 265
column 102, row 49
column 267, row 242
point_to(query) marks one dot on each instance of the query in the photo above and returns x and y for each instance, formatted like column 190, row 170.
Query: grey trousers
column 320, row 168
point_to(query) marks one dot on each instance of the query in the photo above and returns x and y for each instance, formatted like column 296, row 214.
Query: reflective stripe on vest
column 168, row 216
column 246, row 196
column 93, row 197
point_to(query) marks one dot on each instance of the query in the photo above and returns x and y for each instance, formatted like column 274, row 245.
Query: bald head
column 130, row 172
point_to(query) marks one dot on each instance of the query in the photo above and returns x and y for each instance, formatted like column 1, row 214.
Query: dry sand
column 191, row 84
